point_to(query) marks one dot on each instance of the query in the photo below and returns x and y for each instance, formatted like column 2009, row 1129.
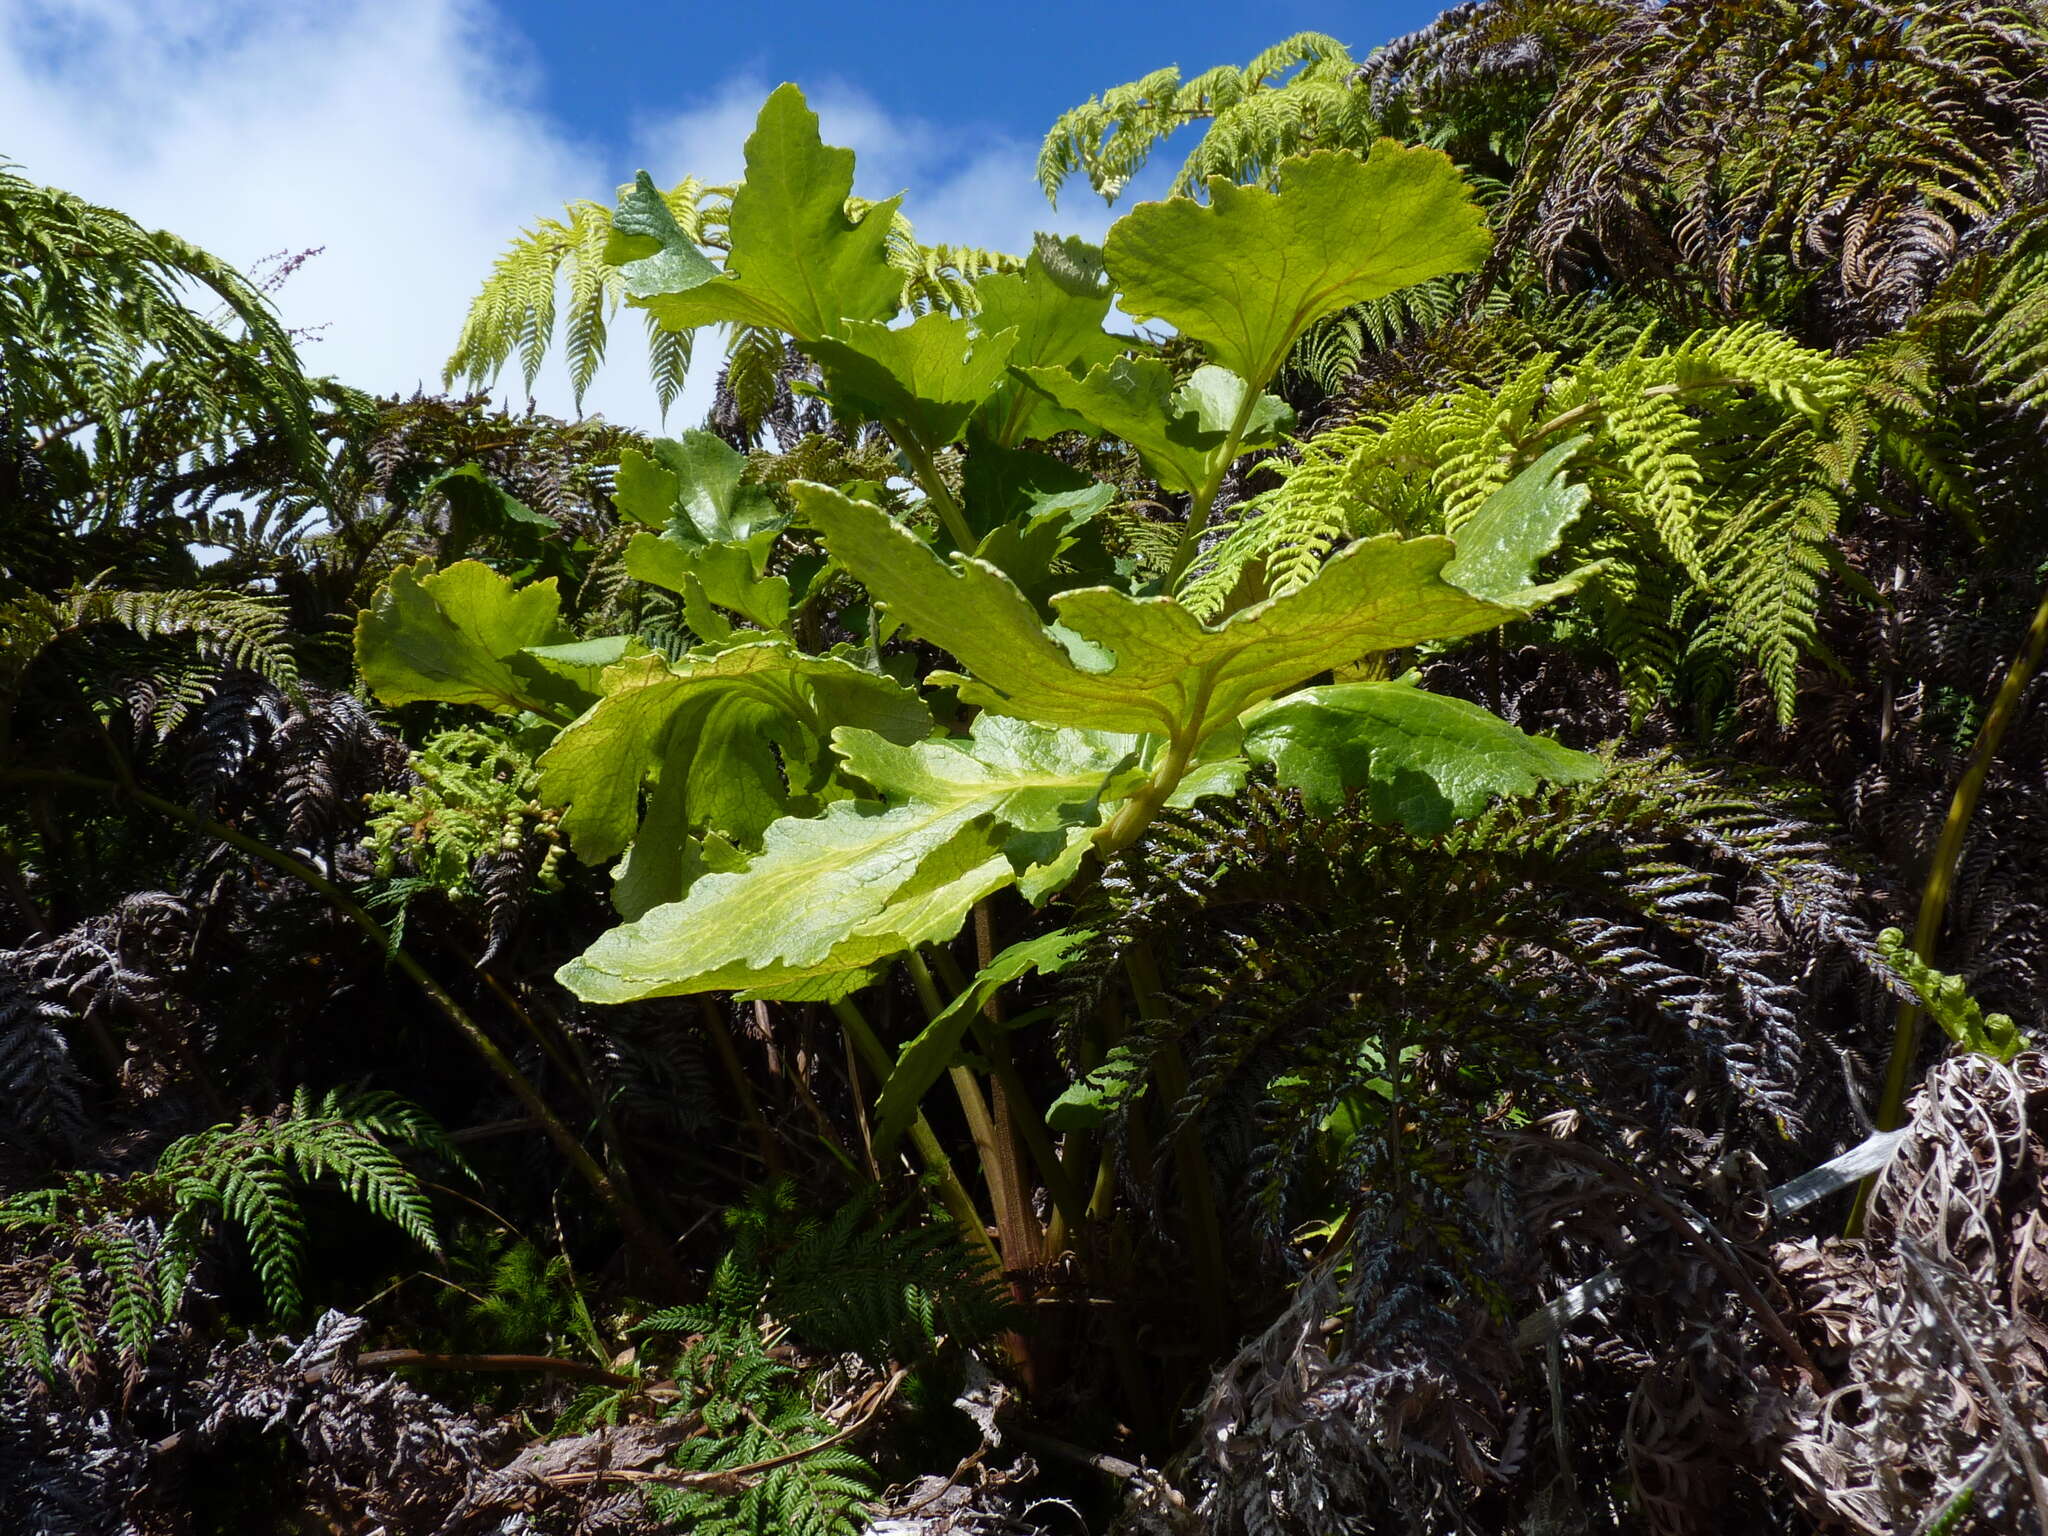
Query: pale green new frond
column 516, row 310
column 1719, row 470
column 1301, row 94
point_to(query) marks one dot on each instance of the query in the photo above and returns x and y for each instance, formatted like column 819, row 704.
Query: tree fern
column 233, row 630
column 109, row 376
column 1733, row 144
column 516, row 311
column 1719, row 470
column 1300, row 94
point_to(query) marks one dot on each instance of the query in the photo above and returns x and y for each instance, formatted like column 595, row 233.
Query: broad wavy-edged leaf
column 925, row 1059
column 1501, row 544
column 1173, row 426
column 1422, row 760
column 1118, row 663
column 690, row 487
column 797, row 263
column 461, row 636
column 925, row 378
column 828, row 899
column 731, row 576
column 1252, row 270
column 707, row 727
column 1058, row 325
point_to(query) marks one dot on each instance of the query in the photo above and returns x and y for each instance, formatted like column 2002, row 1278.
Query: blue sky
column 408, row 140
column 1001, row 69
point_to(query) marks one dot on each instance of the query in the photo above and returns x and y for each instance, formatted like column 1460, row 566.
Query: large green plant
column 793, row 825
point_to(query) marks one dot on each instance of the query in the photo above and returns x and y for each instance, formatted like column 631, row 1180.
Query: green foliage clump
column 862, row 1282
column 116, row 1253
column 477, row 795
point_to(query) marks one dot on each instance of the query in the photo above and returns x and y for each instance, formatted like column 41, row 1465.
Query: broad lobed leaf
column 798, row 264
column 463, row 636
column 828, row 899
column 1118, row 663
column 1423, row 760
column 1250, row 272
column 705, row 727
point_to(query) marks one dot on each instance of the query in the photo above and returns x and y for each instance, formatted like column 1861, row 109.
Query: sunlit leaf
column 1250, row 271
column 1422, row 760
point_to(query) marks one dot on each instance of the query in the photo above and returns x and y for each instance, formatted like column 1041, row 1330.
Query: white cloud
column 397, row 134
column 403, row 136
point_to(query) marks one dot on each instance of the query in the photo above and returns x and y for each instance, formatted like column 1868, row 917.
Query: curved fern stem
column 1941, row 874
column 635, row 1227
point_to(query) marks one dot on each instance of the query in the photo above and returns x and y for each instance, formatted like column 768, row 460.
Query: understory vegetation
column 1368, row 860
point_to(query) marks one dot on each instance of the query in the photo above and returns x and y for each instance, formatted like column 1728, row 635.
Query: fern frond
column 515, row 312
column 1719, row 470
column 1731, row 142
column 1300, row 94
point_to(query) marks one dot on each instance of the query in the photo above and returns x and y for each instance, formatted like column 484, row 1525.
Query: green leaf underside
column 459, row 636
column 1247, row 274
column 830, row 899
column 1423, row 760
column 708, row 723
column 1501, row 544
column 797, row 262
column 1118, row 663
column 649, row 248
column 926, row 378
column 925, row 1058
column 728, row 575
column 1170, row 424
column 1056, row 327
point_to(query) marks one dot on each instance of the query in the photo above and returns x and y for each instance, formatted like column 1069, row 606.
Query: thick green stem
column 1941, row 873
column 1136, row 813
column 936, row 491
column 952, row 1193
column 1204, row 497
column 1012, row 1100
column 631, row 1222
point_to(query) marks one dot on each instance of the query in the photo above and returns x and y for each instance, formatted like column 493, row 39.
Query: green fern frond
column 109, row 370
column 515, row 313
column 231, row 630
column 1719, row 469
column 1298, row 95
column 118, row 1254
